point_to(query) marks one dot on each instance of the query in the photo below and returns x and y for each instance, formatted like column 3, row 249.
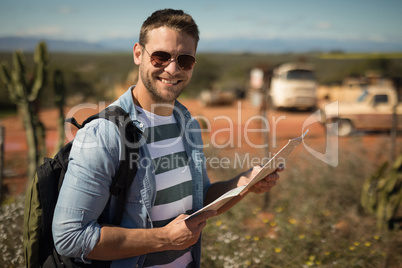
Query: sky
column 340, row 20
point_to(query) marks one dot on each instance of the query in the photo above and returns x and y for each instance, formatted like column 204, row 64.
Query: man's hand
column 263, row 185
column 183, row 234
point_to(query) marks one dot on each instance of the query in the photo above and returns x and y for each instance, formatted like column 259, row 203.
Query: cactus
column 60, row 92
column 382, row 193
column 369, row 196
column 24, row 91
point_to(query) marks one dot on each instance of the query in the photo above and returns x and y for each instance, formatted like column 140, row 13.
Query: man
column 174, row 183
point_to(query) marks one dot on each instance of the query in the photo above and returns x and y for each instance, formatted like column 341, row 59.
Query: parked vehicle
column 372, row 111
column 293, row 85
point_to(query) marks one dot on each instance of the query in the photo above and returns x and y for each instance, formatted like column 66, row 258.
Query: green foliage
column 382, row 193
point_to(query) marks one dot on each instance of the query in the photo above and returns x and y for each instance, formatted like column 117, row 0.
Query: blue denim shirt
column 94, row 160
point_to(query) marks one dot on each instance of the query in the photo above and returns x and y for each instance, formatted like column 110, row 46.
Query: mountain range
column 241, row 45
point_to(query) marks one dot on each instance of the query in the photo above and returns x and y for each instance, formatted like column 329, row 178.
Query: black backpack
column 42, row 194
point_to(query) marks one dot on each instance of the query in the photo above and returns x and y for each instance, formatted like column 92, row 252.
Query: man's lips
column 169, row 81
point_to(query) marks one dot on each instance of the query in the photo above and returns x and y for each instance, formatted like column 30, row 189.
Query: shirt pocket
column 137, row 214
column 134, row 195
column 140, row 184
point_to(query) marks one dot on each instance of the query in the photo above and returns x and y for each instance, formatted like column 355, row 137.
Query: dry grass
column 313, row 219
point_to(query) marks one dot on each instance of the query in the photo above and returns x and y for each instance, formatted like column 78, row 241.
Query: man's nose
column 172, row 67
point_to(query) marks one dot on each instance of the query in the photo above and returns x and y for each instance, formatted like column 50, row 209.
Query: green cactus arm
column 381, row 211
column 393, row 177
column 394, row 201
column 18, row 74
column 41, row 53
column 391, row 181
column 5, row 73
column 380, row 176
column 370, row 189
column 38, row 83
column 369, row 200
column 7, row 81
column 398, row 163
column 41, row 58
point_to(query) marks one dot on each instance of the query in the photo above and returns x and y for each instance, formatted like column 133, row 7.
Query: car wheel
column 345, row 127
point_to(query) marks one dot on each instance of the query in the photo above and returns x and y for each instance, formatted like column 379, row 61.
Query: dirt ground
column 232, row 129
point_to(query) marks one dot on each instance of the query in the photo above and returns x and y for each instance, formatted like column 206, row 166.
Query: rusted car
column 375, row 110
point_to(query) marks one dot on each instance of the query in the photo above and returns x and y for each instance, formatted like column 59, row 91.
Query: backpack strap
column 128, row 166
column 74, row 122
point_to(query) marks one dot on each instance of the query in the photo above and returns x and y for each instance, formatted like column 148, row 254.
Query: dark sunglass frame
column 161, row 59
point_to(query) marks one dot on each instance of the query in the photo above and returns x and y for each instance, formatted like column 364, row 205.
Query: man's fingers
column 272, row 177
column 267, row 183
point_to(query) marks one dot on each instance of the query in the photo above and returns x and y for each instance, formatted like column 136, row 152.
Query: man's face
column 165, row 84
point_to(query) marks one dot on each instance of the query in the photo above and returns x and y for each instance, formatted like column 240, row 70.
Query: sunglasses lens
column 160, row 59
column 186, row 62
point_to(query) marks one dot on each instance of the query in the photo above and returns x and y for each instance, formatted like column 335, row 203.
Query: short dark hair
column 175, row 19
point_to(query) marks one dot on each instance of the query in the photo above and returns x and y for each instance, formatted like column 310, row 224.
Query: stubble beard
column 157, row 96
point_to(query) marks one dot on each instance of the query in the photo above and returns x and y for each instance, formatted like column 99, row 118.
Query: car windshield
column 300, row 75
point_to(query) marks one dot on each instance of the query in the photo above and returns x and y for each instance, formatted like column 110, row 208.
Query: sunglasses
column 161, row 59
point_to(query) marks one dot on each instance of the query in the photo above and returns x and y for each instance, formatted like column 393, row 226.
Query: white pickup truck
column 372, row 111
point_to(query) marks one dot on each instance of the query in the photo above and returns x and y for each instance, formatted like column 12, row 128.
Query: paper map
column 267, row 169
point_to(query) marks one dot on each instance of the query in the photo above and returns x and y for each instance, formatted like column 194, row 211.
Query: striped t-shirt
column 173, row 182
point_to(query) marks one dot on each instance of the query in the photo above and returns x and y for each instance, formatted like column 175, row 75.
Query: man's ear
column 137, row 53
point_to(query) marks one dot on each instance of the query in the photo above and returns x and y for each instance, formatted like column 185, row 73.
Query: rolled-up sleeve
column 94, row 160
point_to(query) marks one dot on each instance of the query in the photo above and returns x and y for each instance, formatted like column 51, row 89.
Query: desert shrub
column 11, row 223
